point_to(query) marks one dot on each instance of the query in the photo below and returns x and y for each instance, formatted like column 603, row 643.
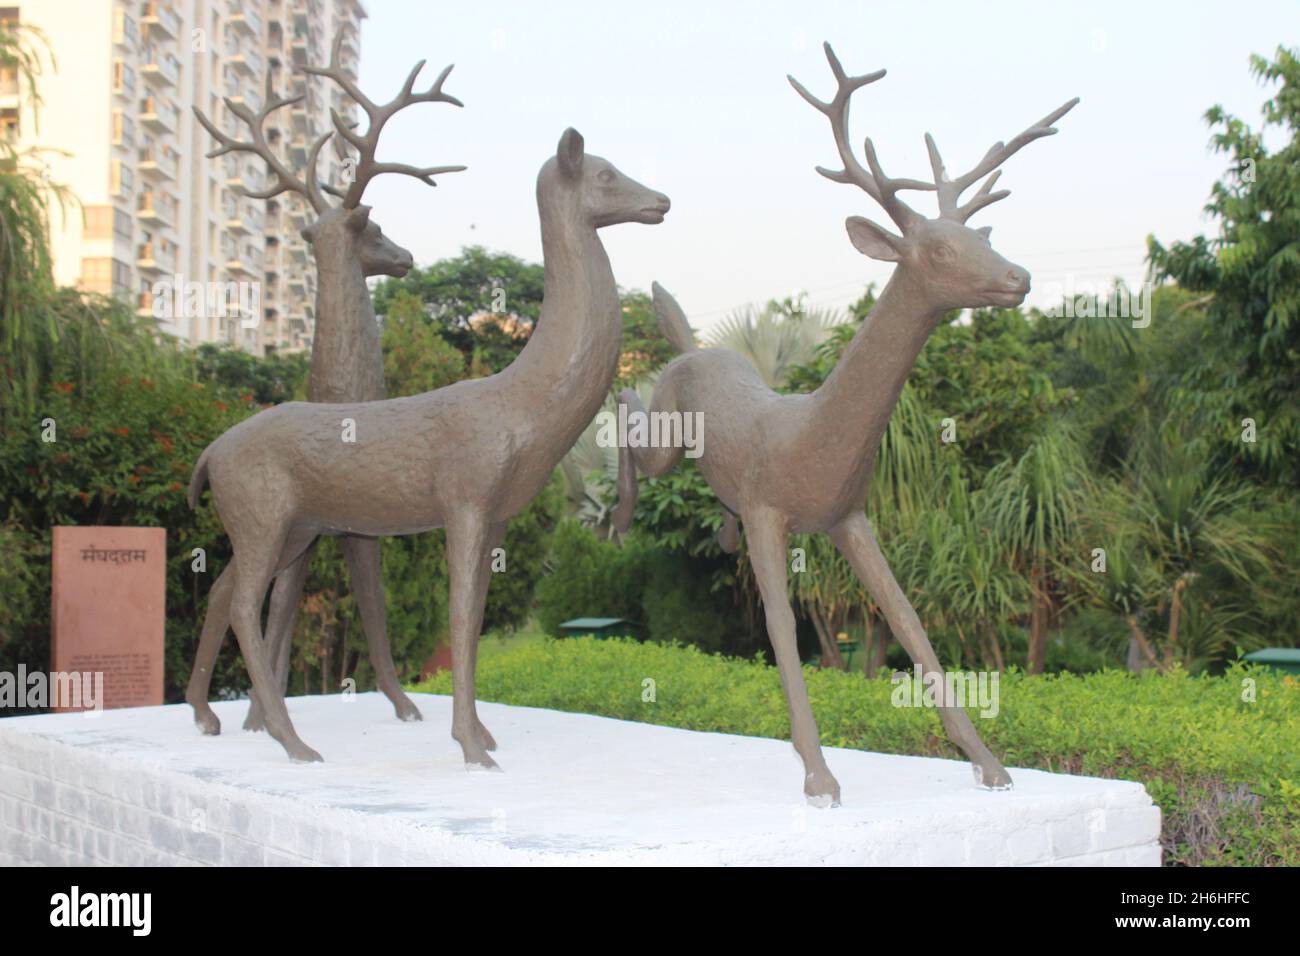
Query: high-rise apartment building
column 154, row 210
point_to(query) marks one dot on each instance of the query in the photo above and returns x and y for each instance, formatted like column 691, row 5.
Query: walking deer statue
column 347, row 364
column 465, row 458
column 802, row 463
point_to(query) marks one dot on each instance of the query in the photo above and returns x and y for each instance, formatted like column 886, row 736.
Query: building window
column 9, row 125
column 123, row 225
column 97, row 275
column 124, row 29
column 121, row 276
column 123, row 129
column 99, row 222
column 123, row 78
column 122, row 179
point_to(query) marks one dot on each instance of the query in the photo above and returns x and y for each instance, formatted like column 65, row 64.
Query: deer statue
column 782, row 464
column 347, row 364
column 466, row 457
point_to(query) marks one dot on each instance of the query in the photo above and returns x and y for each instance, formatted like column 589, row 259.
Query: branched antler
column 367, row 166
column 872, row 180
column 308, row 187
column 950, row 190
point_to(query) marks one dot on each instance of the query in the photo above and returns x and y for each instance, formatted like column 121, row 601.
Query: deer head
column 349, row 233
column 342, row 233
column 593, row 190
column 955, row 266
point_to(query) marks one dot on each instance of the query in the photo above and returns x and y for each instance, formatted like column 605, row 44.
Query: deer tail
column 199, row 478
column 672, row 320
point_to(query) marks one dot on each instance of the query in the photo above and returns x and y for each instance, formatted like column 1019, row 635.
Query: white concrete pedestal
column 143, row 786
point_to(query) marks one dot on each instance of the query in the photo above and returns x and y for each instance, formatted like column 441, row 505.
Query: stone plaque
column 109, row 587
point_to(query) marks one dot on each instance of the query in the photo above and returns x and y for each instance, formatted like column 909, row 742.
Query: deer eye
column 942, row 253
column 605, row 176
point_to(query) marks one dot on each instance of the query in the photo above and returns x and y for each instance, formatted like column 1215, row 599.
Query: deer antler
column 874, row 183
column 286, row 181
column 367, row 166
column 950, row 190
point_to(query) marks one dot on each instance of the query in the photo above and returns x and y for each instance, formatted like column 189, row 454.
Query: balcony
column 245, row 98
column 237, row 178
column 157, row 164
column 157, row 115
column 237, row 219
column 161, row 20
column 244, row 61
column 150, row 211
column 145, row 306
column 147, row 259
column 239, row 260
column 160, row 69
column 244, row 21
column 350, row 44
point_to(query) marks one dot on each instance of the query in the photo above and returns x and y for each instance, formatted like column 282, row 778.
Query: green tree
column 1248, row 364
column 482, row 303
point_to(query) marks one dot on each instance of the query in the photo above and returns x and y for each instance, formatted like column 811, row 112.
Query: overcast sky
column 692, row 99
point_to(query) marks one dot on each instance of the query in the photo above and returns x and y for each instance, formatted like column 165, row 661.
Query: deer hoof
column 994, row 777
column 208, row 723
column 406, row 710
column 485, row 739
column 254, row 722
column 299, row 752
column 822, row 789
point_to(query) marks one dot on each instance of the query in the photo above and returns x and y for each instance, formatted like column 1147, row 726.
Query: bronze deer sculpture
column 347, row 364
column 802, row 463
column 466, row 457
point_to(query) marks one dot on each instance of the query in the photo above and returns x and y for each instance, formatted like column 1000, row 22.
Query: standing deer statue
column 783, row 464
column 347, row 364
column 465, row 458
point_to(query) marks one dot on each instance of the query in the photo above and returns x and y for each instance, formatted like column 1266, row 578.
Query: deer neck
column 347, row 364
column 855, row 402
column 569, row 362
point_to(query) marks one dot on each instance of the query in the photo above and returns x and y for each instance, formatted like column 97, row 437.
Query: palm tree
column 1034, row 504
column 776, row 337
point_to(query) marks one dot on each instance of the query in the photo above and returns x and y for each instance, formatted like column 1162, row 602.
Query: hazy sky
column 692, row 99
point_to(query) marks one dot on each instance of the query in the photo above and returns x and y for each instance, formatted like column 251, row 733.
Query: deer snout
column 1017, row 281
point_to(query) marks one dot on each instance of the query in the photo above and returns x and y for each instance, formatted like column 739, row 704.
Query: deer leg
column 215, row 624
column 367, row 584
column 495, row 535
column 468, row 570
column 286, row 594
column 767, row 556
column 254, row 565
column 649, row 461
column 858, row 544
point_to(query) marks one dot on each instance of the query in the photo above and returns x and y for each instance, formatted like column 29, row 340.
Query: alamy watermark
column 947, row 689
column 71, row 690
column 638, row 429
column 1088, row 302
column 175, row 298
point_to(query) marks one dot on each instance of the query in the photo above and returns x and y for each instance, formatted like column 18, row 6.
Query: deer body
column 803, row 463
column 466, row 457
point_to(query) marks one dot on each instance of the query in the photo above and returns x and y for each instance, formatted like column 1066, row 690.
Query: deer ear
column 570, row 153
column 874, row 241
column 985, row 231
column 359, row 218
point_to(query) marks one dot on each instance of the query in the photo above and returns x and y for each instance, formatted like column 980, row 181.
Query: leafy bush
column 586, row 576
column 1225, row 771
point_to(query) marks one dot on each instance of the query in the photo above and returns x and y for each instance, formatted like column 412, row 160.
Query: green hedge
column 1226, row 772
